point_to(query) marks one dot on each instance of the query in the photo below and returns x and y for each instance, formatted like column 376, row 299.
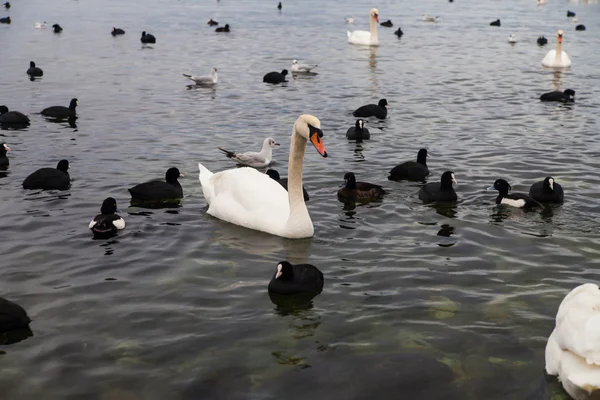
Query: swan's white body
column 302, row 68
column 573, row 348
column 204, row 80
column 367, row 38
column 246, row 197
column 557, row 58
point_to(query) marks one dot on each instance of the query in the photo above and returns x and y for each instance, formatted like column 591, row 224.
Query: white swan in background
column 204, row 80
column 366, row 38
column 246, row 197
column 512, row 39
column 573, row 348
column 557, row 58
column 349, row 20
column 302, row 68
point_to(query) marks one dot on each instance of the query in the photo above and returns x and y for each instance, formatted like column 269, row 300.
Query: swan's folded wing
column 359, row 37
column 246, row 197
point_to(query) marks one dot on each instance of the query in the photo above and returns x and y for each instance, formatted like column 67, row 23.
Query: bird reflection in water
column 445, row 209
column 358, row 151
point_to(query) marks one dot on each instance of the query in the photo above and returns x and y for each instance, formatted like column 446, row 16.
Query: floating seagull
column 349, row 20
column 252, row 158
column 206, row 79
column 541, row 2
column 302, row 68
column 429, row 18
column 512, row 39
column 40, row 25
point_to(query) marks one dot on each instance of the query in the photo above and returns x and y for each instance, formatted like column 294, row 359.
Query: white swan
column 366, row 38
column 573, row 348
column 246, row 197
column 557, row 58
column 204, row 80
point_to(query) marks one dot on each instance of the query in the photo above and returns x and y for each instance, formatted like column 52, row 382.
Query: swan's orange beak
column 376, row 17
column 559, row 38
column 316, row 138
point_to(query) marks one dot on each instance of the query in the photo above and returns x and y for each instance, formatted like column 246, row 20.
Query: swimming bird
column 279, row 6
column 580, row 27
column 547, row 191
column 411, row 170
column 570, row 14
column 275, row 77
column 368, row 38
column 249, row 198
column 572, row 351
column 206, row 79
column 512, row 39
column 295, row 279
column 442, row 191
column 495, row 23
column 358, row 131
column 5, row 20
column 429, row 18
column 574, row 19
column 557, row 58
column 34, row 71
column 223, row 29
column 284, row 182
column 252, row 158
column 567, row 96
column 12, row 316
column 387, row 24
column 3, row 159
column 212, row 22
column 378, row 110
column 107, row 223
column 302, row 68
column 542, row 41
column 40, row 25
column 518, row 200
column 117, row 31
column 353, row 190
column 541, row 2
column 169, row 189
column 147, row 38
column 61, row 112
column 12, row 117
column 6, row 5
column 349, row 20
column 399, row 32
column 57, row 28
column 49, row 178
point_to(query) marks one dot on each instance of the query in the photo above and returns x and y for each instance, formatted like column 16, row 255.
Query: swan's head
column 374, row 13
column 213, row 70
column 559, row 35
column 309, row 127
column 270, row 142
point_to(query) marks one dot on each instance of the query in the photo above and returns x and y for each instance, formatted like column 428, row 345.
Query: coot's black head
column 549, row 183
column 143, row 33
column 3, row 110
column 226, row 26
column 383, row 103
column 501, row 186
column 285, row 271
column 447, row 180
column 360, row 124
column 273, row 174
column 109, row 206
column 570, row 93
column 172, row 175
column 73, row 104
column 3, row 149
column 31, row 64
column 56, row 27
column 284, row 72
column 422, row 156
column 349, row 180
column 63, row 165
column 399, row 32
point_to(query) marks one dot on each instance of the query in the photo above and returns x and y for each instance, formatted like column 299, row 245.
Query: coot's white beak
column 278, row 274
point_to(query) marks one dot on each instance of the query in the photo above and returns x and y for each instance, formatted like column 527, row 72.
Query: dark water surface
column 419, row 301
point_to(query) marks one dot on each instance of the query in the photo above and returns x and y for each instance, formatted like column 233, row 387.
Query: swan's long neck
column 299, row 220
column 214, row 76
column 373, row 25
column 558, row 50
